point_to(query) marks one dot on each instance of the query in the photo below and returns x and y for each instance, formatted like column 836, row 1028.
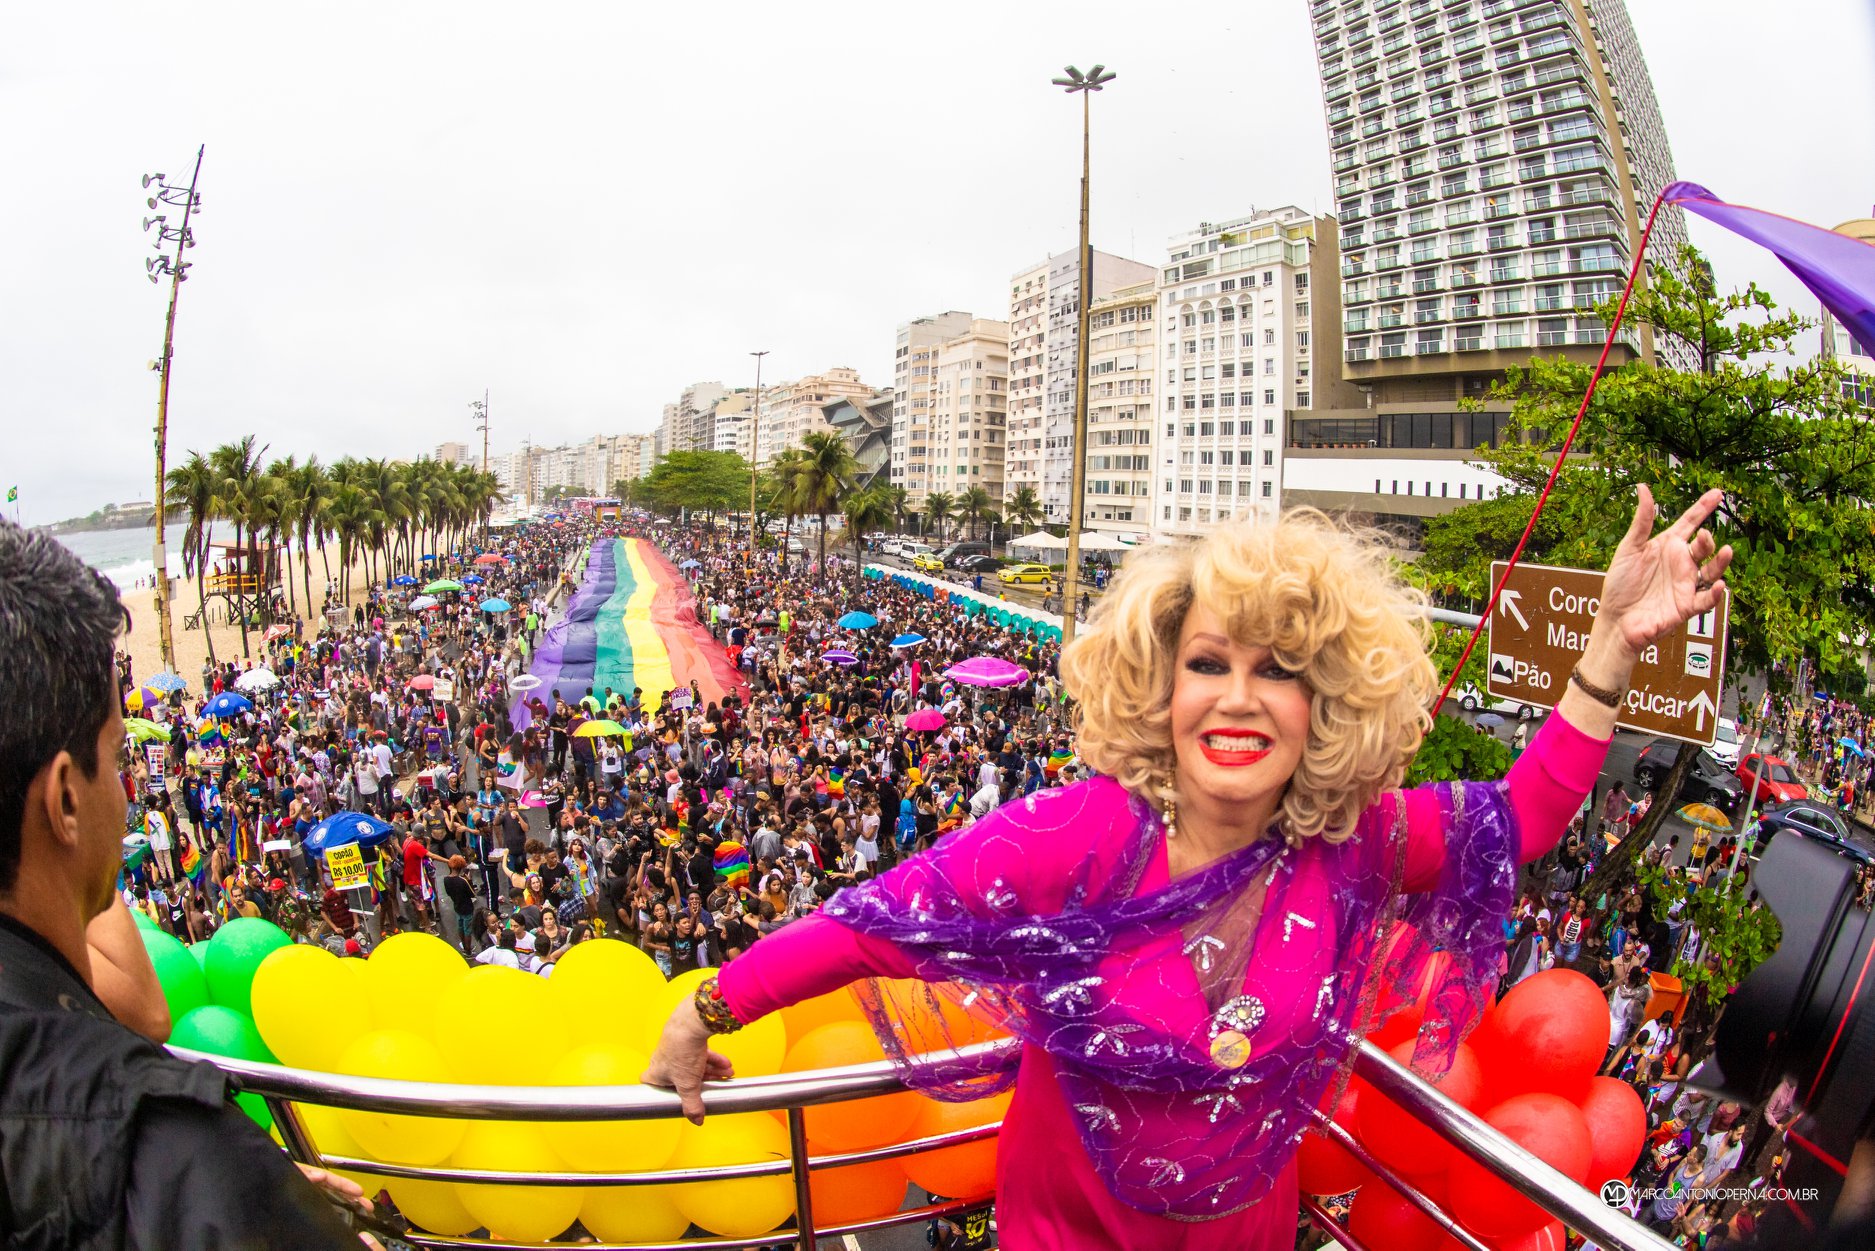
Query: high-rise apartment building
column 692, row 420
column 1044, row 353
column 457, row 453
column 731, row 424
column 969, row 410
column 791, row 410
column 1122, row 359
column 1494, row 162
column 913, row 363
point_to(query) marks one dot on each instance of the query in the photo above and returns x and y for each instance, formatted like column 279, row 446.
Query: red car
column 1776, row 781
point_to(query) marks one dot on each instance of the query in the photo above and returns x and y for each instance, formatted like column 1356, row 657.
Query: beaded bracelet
column 714, row 1009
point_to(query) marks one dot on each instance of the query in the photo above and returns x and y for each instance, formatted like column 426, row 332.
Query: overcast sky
column 584, row 207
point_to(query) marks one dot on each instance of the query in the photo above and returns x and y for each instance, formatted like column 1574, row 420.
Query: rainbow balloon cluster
column 416, row 1011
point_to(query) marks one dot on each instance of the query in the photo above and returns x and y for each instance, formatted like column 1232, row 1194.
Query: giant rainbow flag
column 632, row 623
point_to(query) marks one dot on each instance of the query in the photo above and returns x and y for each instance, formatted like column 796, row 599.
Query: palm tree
column 239, row 493
column 1022, row 508
column 824, row 478
column 938, row 507
column 783, row 470
column 348, row 513
column 865, row 511
column 309, row 488
column 191, row 487
column 973, row 505
column 900, row 499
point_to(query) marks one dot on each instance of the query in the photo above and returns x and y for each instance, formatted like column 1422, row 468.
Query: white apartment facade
column 792, row 410
column 456, row 454
column 913, row 364
column 969, row 411
column 1122, row 362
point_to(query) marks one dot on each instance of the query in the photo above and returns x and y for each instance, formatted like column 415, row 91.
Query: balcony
column 1465, row 249
column 1389, row 291
column 1391, row 321
column 1426, row 347
column 1357, row 354
column 1339, row 115
column 1498, row 211
column 1352, row 269
column 1421, row 227
column 1390, row 350
column 1549, row 303
column 1417, row 197
column 1468, row 343
column 1425, row 318
column 1413, row 143
column 1374, row 127
column 1507, row 308
column 1343, row 163
column 1425, row 286
column 1600, row 193
column 1552, row 338
column 1595, row 265
column 1531, row 173
column 1591, row 230
column 1501, row 243
column 1510, row 339
column 1542, row 234
column 1545, row 269
column 1492, row 182
column 1349, row 216
column 1389, row 263
column 1506, row 273
column 1425, row 256
column 1466, row 278
column 1355, row 325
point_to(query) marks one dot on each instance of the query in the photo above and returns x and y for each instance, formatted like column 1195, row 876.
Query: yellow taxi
column 1024, row 573
column 927, row 562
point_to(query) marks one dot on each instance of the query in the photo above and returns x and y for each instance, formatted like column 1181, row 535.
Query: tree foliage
column 1733, row 939
column 1453, row 751
column 706, row 482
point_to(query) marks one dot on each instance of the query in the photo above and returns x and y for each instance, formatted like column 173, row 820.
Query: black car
column 1709, row 782
column 979, row 564
column 1809, row 820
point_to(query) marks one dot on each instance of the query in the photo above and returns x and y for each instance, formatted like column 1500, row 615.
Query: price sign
column 347, row 866
column 444, row 691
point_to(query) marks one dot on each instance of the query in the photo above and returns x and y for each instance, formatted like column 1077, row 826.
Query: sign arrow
column 1507, row 602
column 1701, row 706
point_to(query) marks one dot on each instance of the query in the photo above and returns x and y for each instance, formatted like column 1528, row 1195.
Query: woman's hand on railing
column 684, row 1061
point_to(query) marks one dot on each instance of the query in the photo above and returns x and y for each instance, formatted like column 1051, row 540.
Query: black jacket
column 107, row 1141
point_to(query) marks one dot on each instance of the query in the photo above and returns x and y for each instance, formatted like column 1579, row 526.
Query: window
column 1266, row 490
column 1269, row 397
column 1269, row 425
column 1269, row 364
column 1269, row 456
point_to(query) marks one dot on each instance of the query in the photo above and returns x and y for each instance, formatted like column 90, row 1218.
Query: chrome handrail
column 281, row 1088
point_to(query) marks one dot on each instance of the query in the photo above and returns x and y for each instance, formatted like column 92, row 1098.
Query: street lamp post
column 755, row 453
column 189, row 202
column 481, row 423
column 1085, row 85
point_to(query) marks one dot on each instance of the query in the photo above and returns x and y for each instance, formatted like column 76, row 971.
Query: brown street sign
column 1541, row 624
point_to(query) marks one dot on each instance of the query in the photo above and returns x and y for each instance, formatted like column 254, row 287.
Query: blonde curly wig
column 1327, row 602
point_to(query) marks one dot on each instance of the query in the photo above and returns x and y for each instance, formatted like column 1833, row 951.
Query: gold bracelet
column 1600, row 694
column 714, row 1009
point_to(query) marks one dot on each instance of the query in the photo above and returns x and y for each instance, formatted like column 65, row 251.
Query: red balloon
column 1382, row 1217
column 1617, row 1122
column 1548, row 1126
column 1398, row 1138
column 1549, row 1238
column 1549, row 1033
column 1324, row 1167
column 1405, row 1023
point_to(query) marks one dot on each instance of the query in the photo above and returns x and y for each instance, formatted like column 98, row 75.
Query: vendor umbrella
column 838, row 657
column 403, row 579
column 141, row 697
column 987, row 671
column 228, row 704
column 857, row 620
column 600, row 728
column 523, row 682
column 925, row 719
column 471, row 579
column 422, row 682
column 496, row 605
column 1851, row 745
column 908, row 639
column 441, row 585
column 1490, row 721
column 1706, row 816
column 166, row 682
column 143, row 730
column 261, row 679
column 421, row 602
column 276, row 632
column 691, row 564
column 490, row 558
column 344, row 829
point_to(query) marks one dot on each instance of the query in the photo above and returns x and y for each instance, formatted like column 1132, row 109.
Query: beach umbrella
column 421, row 602
column 908, row 639
column 496, row 605
column 167, row 682
column 143, row 730
column 343, row 829
column 471, row 579
column 1490, row 720
column 261, row 679
column 429, row 555
column 490, row 558
column 925, row 719
column 1704, row 815
column 857, row 620
column 441, row 585
column 228, row 704
column 140, row 697
column 403, row 579
column 691, row 564
column 600, row 728
column 523, row 682
column 276, row 632
column 838, row 657
column 1851, row 745
column 422, row 682
column 987, row 671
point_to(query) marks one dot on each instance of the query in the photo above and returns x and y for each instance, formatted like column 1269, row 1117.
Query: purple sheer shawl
column 1192, row 1028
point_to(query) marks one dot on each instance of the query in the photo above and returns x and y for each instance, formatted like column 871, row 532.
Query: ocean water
column 128, row 557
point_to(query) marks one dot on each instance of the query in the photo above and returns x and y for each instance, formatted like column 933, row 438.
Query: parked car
column 953, row 555
column 909, row 551
column 892, row 546
column 1024, row 573
column 1778, row 783
column 795, row 547
column 1472, row 699
column 1810, row 820
column 1709, row 783
column 979, row 564
column 1725, row 745
column 927, row 562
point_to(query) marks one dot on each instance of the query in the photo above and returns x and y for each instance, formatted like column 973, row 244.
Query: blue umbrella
column 1852, row 745
column 857, row 620
column 343, row 828
column 166, row 682
column 228, row 704
column 403, row 579
column 908, row 640
column 472, row 579
column 429, row 555
column 1490, row 721
column 496, row 605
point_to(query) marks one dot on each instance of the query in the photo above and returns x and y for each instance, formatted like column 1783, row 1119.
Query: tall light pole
column 755, row 455
column 481, row 423
column 1085, row 84
column 188, row 201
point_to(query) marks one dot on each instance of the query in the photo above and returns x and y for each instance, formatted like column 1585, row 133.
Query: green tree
column 901, row 500
column 1454, row 750
column 240, row 494
column 1735, row 937
column 823, row 478
column 866, row 511
column 191, row 487
column 938, row 507
column 973, row 506
column 1023, row 508
column 703, row 482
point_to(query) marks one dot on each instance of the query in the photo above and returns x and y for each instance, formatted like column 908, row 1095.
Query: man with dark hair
column 106, row 1141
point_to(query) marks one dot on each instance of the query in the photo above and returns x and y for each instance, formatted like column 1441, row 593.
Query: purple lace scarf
column 1193, row 1028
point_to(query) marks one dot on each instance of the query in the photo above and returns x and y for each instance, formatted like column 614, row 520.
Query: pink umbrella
column 925, row 719
column 987, row 671
column 422, row 682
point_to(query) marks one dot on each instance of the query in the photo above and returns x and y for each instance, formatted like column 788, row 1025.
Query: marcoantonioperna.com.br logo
column 1618, row 1194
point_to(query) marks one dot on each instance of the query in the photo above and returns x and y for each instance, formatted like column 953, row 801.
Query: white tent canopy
column 1098, row 541
column 1041, row 539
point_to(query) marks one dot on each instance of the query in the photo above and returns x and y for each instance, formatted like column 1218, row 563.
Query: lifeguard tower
column 242, row 581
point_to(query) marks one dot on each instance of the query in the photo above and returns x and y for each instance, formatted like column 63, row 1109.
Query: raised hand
column 1658, row 581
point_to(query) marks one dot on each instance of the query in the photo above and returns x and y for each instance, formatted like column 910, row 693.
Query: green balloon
column 184, row 987
column 224, row 1032
column 235, row 955
column 142, row 919
column 200, row 952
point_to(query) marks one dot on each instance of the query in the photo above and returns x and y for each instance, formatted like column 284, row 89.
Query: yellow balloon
column 632, row 1214
column 757, row 1048
column 431, row 1205
column 681, row 989
column 499, row 1011
column 519, row 1213
column 608, row 989
column 398, row 1139
column 609, row 1146
column 309, row 1005
column 405, row 976
column 744, row 1207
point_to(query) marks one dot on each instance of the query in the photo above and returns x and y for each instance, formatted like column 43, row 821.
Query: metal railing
column 282, row 1088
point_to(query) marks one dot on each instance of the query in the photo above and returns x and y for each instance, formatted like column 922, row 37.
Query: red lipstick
column 1230, row 757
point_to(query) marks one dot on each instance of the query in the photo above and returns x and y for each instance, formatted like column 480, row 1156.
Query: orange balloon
column 967, row 1170
column 934, row 1016
column 858, row 1123
column 803, row 1018
column 856, row 1192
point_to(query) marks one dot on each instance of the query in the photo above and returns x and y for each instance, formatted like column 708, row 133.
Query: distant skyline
column 585, row 208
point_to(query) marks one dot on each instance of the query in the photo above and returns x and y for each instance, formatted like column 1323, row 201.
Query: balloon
column 185, row 987
column 1617, row 1123
column 756, row 1049
column 855, row 1192
column 1549, row 1033
column 1547, row 1125
column 234, row 955
column 406, row 975
column 519, row 1213
column 1549, row 1238
column 396, row 1138
column 963, row 1171
column 744, row 1207
column 680, row 990
column 1383, row 1217
column 200, row 952
column 1398, row 1138
column 1405, row 1023
column 310, row 1005
column 632, row 1213
column 501, row 1011
column 142, row 920
column 1324, row 1167
column 609, row 1146
column 326, row 1127
column 431, row 1205
column 802, row 1019
column 609, row 989
column 224, row 1032
column 950, row 1025
column 858, row 1123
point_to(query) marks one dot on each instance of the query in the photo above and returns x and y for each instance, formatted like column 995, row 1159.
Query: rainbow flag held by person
column 1056, row 759
column 732, row 864
column 193, row 863
column 836, row 781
